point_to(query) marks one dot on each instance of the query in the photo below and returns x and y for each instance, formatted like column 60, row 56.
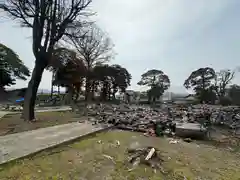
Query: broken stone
column 173, row 141
column 117, row 143
column 151, row 152
column 109, row 157
column 147, row 155
column 195, row 120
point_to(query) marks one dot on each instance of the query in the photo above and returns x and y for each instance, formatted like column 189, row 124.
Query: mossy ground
column 84, row 160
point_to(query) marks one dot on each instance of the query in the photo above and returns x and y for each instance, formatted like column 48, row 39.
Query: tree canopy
column 111, row 79
column 11, row 67
column 210, row 85
column 200, row 81
column 234, row 94
column 157, row 81
column 71, row 69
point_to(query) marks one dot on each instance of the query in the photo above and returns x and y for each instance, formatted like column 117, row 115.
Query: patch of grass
column 84, row 160
column 13, row 123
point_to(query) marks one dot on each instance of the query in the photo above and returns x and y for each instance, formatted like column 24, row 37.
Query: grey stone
column 190, row 130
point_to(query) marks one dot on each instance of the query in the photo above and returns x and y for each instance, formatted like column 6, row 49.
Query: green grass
column 84, row 160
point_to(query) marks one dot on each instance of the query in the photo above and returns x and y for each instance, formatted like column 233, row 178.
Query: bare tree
column 222, row 79
column 95, row 48
column 50, row 20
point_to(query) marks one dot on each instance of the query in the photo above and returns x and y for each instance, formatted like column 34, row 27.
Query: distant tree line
column 213, row 87
column 85, row 70
column 210, row 87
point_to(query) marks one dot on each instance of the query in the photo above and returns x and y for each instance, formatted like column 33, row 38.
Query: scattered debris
column 151, row 152
column 173, row 141
column 187, row 140
column 164, row 122
column 149, row 156
column 109, row 157
column 99, row 142
column 118, row 143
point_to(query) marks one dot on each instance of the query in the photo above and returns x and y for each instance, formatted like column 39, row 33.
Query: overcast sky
column 175, row 36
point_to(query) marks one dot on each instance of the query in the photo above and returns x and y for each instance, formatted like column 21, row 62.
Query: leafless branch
column 222, row 80
column 49, row 19
column 94, row 45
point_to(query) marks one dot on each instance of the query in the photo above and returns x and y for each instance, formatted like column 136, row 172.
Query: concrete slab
column 190, row 130
column 19, row 145
column 53, row 110
column 3, row 113
column 42, row 109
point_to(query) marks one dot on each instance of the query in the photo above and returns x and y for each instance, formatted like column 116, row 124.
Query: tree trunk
column 109, row 92
column 87, row 88
column 104, row 91
column 31, row 94
column 154, row 99
column 93, row 86
column 70, row 95
column 52, row 85
column 77, row 92
column 114, row 95
column 3, row 94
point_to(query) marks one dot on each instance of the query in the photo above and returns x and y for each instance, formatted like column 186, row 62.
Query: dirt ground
column 86, row 160
column 13, row 123
column 221, row 136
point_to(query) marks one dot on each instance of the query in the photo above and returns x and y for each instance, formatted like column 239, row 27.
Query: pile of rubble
column 218, row 115
column 142, row 119
column 11, row 108
column 159, row 121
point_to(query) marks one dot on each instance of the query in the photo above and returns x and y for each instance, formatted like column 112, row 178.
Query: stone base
column 191, row 130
